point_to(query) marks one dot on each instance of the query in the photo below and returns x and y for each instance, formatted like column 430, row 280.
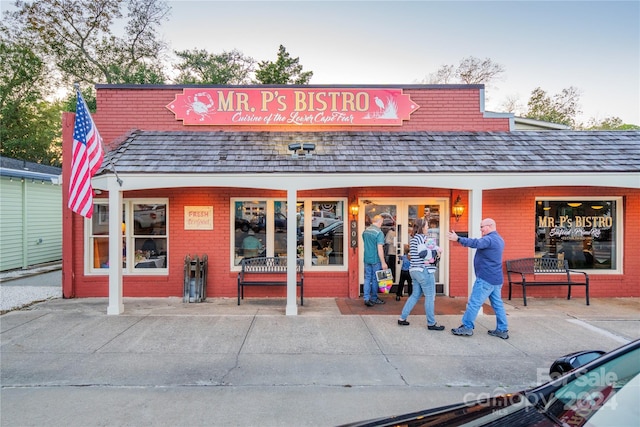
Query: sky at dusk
column 591, row 45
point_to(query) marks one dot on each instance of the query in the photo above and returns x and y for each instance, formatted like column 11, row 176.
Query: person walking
column 423, row 263
column 487, row 264
column 405, row 277
column 374, row 260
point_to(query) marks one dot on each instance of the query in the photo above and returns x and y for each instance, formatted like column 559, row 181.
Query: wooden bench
column 524, row 273
column 268, row 271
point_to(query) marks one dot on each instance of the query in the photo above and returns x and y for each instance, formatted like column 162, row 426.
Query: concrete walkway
column 166, row 363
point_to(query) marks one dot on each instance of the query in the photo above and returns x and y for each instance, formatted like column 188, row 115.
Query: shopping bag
column 385, row 280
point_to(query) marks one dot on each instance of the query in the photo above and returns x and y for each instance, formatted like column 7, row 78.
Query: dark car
column 602, row 392
column 331, row 235
column 242, row 224
column 259, row 223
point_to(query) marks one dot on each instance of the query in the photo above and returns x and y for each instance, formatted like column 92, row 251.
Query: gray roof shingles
column 382, row 152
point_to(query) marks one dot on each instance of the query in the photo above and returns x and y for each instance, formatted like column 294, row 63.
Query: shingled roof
column 149, row 152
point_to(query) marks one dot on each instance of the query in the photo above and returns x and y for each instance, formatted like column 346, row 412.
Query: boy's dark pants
column 404, row 277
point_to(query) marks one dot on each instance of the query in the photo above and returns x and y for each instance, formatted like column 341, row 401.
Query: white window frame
column 129, row 270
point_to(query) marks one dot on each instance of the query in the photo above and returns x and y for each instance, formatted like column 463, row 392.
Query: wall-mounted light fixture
column 296, row 147
column 457, row 210
column 354, row 208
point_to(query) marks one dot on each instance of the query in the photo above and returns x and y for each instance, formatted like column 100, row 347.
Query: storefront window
column 327, row 235
column 261, row 230
column 144, row 228
column 149, row 235
column 250, row 230
column 583, row 232
column 99, row 236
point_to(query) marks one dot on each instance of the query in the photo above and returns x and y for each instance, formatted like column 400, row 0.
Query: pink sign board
column 294, row 107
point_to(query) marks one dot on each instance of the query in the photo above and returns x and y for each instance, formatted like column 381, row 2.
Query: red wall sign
column 295, row 107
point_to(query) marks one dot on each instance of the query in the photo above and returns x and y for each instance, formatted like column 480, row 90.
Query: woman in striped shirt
column 421, row 272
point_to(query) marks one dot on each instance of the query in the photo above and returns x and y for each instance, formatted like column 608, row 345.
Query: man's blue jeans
column 370, row 281
column 426, row 284
column 481, row 291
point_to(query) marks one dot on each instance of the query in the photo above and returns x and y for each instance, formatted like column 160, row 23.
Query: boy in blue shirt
column 404, row 274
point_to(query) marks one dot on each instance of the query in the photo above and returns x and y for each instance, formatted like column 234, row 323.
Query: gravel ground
column 21, row 288
column 16, row 297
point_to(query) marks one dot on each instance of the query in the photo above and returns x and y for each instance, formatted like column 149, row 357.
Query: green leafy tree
column 29, row 126
column 610, row 123
column 561, row 108
column 77, row 36
column 285, row 70
column 201, row 67
column 31, row 131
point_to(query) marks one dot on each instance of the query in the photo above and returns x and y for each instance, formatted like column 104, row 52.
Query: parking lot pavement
column 163, row 362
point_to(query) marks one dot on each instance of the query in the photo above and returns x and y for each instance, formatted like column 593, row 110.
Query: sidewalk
column 167, row 363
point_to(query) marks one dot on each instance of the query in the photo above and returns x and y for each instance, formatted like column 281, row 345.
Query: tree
column 610, row 123
column 201, row 67
column 562, row 108
column 77, row 36
column 285, row 70
column 31, row 131
column 470, row 70
column 29, row 127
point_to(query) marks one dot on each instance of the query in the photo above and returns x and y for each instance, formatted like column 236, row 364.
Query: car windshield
column 606, row 396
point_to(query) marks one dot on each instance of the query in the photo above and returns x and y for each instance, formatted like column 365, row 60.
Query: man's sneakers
column 462, row 331
column 435, row 327
column 500, row 334
column 402, row 322
column 372, row 302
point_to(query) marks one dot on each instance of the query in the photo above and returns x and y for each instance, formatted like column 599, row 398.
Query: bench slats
column 529, row 267
column 253, row 271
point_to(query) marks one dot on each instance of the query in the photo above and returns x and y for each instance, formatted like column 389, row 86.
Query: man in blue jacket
column 487, row 264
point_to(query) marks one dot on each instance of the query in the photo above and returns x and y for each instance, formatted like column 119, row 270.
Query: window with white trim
column 145, row 240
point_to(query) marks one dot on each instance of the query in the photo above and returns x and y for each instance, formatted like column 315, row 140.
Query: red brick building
column 196, row 170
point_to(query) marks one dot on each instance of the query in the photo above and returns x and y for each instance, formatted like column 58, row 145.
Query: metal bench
column 268, row 271
column 524, row 273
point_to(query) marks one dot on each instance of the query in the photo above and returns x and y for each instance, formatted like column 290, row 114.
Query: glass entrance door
column 398, row 218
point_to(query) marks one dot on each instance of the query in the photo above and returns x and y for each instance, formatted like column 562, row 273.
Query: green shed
column 30, row 214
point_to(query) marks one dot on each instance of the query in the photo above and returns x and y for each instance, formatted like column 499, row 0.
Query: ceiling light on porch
column 574, row 205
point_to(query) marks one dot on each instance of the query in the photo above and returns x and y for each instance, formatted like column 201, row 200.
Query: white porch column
column 116, row 305
column 292, row 252
column 475, row 219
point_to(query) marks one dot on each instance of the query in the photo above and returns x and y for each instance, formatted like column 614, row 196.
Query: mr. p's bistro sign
column 295, row 107
column 567, row 227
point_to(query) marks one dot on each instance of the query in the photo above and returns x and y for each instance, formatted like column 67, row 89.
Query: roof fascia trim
column 312, row 182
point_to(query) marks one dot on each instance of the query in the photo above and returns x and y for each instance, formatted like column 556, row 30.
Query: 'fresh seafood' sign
column 293, row 107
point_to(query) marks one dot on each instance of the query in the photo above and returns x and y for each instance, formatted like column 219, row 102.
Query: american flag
column 87, row 158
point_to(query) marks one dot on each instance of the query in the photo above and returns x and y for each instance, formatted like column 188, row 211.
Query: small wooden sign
column 198, row 217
